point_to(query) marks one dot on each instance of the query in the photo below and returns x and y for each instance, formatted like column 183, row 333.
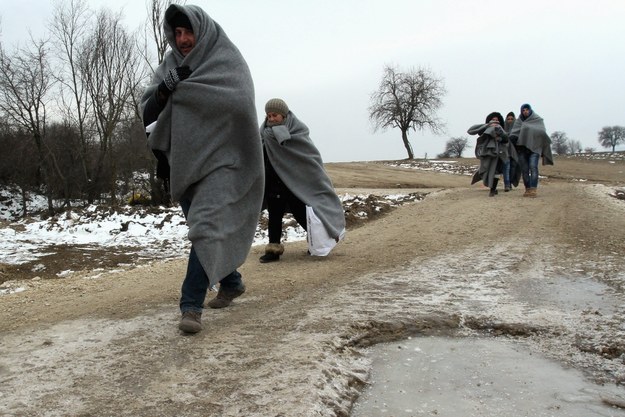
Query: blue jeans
column 506, row 173
column 529, row 166
column 195, row 284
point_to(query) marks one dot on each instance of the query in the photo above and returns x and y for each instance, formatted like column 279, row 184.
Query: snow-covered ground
column 158, row 232
column 149, row 231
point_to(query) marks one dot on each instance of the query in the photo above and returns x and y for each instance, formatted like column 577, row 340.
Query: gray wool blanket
column 209, row 132
column 532, row 134
column 298, row 163
column 491, row 153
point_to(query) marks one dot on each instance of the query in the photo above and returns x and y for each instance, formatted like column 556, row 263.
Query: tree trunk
column 24, row 202
column 407, row 145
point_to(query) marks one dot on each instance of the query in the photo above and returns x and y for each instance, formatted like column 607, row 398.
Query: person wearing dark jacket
column 532, row 143
column 295, row 178
column 491, row 149
column 200, row 116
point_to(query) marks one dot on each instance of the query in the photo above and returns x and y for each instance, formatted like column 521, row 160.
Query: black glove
column 175, row 75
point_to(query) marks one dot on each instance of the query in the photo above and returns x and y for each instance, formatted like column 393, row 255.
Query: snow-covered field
column 147, row 232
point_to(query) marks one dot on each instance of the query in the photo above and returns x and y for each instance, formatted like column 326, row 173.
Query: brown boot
column 527, row 192
column 532, row 192
column 225, row 296
column 272, row 253
column 191, row 322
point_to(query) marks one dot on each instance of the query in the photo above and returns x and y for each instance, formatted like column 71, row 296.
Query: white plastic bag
column 320, row 243
column 150, row 128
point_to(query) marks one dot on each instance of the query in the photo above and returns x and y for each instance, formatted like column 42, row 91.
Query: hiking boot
column 272, row 253
column 507, row 188
column 527, row 192
column 225, row 296
column 493, row 193
column 269, row 257
column 191, row 322
column 532, row 192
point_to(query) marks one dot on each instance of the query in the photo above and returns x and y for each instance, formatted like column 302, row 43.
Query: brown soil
column 108, row 344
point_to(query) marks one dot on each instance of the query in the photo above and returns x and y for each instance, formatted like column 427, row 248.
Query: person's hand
column 175, row 75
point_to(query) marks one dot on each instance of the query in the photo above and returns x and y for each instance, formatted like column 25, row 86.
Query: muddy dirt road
column 547, row 272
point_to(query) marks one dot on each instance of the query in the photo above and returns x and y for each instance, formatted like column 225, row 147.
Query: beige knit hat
column 277, row 105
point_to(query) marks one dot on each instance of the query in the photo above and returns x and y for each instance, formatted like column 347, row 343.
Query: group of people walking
column 223, row 169
column 511, row 148
column 200, row 118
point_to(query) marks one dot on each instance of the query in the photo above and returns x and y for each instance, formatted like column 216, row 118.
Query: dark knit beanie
column 497, row 115
column 277, row 105
column 178, row 19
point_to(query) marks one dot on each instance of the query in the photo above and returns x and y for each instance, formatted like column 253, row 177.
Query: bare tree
column 16, row 165
column 25, row 82
column 407, row 100
column 99, row 140
column 575, row 146
column 65, row 157
column 611, row 136
column 153, row 36
column 455, row 147
column 109, row 68
column 559, row 143
column 69, row 28
column 156, row 9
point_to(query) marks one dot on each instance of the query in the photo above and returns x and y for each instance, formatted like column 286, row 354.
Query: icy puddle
column 447, row 377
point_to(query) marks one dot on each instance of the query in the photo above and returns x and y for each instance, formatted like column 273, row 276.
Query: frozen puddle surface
column 442, row 377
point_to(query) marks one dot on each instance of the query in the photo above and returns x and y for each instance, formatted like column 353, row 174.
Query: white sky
column 325, row 58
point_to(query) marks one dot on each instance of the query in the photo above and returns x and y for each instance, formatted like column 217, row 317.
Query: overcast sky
column 325, row 58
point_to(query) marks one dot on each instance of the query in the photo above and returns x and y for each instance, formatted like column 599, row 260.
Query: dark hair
column 526, row 106
column 495, row 114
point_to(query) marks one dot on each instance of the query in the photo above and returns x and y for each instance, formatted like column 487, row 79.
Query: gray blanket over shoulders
column 298, row 163
column 532, row 134
column 490, row 152
column 209, row 132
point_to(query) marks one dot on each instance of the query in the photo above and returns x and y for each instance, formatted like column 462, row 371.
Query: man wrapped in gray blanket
column 200, row 113
column 532, row 144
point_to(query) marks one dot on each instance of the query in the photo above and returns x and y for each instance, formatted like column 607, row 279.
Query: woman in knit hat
column 294, row 179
